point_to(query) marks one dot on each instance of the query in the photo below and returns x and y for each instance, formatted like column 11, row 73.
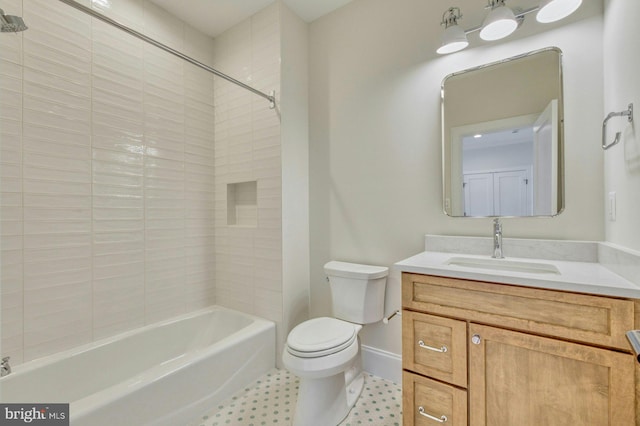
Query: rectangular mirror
column 502, row 138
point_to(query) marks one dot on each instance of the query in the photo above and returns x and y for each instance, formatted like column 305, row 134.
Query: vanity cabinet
column 486, row 354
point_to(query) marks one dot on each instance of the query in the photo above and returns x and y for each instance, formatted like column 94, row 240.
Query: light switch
column 612, row 206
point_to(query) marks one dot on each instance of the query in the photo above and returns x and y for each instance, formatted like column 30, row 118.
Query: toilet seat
column 320, row 337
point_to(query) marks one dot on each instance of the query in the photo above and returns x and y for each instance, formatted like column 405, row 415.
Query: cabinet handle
column 476, row 339
column 443, row 349
column 440, row 419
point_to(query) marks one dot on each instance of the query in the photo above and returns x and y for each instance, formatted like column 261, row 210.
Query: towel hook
column 628, row 113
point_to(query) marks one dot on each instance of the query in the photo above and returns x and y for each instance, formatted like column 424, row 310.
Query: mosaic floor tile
column 271, row 399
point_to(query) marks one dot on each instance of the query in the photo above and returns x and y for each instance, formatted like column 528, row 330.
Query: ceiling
column 213, row 17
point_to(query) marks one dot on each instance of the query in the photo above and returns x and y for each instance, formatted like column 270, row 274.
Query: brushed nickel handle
column 476, row 339
column 443, row 349
column 440, row 419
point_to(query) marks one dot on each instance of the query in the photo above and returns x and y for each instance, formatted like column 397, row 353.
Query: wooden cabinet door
column 516, row 379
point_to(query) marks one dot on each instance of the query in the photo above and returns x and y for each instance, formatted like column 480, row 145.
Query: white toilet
column 325, row 352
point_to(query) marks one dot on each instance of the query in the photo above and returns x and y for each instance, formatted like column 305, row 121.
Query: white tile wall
column 11, row 208
column 247, row 148
column 56, row 163
column 107, row 190
column 118, row 181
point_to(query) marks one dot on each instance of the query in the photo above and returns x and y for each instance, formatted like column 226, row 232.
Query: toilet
column 325, row 352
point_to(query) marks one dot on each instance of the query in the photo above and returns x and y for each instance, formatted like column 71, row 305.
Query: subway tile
column 125, row 162
column 44, row 171
column 54, row 215
column 129, row 12
column 12, row 273
column 39, row 149
column 56, row 200
column 41, row 73
column 60, row 20
column 118, row 242
column 132, row 179
column 198, row 45
column 37, row 254
column 113, row 271
column 55, row 134
column 58, row 188
column 120, row 114
column 57, row 240
column 159, row 24
column 68, row 123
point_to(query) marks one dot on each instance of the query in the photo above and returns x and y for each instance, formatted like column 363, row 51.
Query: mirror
column 502, row 138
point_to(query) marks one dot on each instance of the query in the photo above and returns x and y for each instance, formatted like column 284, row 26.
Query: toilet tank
column 357, row 291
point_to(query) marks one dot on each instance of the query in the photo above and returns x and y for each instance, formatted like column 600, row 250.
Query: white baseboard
column 386, row 365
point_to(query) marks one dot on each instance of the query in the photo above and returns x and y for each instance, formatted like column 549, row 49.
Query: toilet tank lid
column 354, row 270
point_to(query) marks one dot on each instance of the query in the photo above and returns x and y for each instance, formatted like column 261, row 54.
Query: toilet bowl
column 329, row 369
column 325, row 352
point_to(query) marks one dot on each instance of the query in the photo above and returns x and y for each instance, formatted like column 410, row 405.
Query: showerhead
column 11, row 23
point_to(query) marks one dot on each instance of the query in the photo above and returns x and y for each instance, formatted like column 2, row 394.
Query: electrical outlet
column 612, row 206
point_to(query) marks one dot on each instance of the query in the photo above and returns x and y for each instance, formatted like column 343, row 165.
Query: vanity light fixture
column 500, row 22
column 454, row 38
column 555, row 10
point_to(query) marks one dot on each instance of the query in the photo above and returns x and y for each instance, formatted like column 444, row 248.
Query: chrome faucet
column 5, row 368
column 497, row 239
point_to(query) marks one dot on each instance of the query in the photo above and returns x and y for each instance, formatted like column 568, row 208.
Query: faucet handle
column 5, row 360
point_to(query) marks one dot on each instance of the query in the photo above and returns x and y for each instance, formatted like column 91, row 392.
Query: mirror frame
column 561, row 137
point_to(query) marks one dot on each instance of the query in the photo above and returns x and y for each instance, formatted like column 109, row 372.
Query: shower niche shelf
column 242, row 204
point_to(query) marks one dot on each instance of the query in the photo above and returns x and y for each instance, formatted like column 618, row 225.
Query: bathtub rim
column 34, row 364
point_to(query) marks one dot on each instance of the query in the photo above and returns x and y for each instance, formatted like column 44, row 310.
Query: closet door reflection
column 500, row 193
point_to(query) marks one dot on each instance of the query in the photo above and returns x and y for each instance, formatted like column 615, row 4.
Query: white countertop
column 581, row 277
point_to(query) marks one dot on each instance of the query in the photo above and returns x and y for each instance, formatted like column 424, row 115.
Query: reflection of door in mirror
column 545, row 160
column 493, row 167
column 497, row 193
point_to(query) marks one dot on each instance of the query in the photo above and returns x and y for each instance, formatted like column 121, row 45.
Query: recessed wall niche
column 242, row 204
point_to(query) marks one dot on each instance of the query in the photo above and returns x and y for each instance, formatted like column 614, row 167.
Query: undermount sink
column 503, row 265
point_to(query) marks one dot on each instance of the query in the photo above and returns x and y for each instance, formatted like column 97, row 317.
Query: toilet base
column 327, row 401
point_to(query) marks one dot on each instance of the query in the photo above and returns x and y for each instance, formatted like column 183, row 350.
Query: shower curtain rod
column 270, row 97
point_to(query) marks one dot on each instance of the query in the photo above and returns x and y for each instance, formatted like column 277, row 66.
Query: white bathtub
column 164, row 374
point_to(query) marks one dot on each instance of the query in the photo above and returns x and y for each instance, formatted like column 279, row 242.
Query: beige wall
column 621, row 87
column 295, row 171
column 375, row 156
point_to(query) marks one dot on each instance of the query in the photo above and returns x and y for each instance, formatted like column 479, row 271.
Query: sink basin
column 503, row 265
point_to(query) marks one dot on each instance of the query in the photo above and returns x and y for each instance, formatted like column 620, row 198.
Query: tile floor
column 270, row 400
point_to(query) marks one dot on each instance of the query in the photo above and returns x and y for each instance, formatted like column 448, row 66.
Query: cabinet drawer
column 422, row 397
column 435, row 346
column 591, row 319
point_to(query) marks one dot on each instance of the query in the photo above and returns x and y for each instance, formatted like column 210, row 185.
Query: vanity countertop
column 580, row 277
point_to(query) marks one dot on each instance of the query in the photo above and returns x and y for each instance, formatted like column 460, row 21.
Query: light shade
column 453, row 40
column 554, row 10
column 499, row 23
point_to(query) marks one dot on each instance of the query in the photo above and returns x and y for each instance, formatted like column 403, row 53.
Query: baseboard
column 386, row 365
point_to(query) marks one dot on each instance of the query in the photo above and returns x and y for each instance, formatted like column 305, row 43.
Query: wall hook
column 628, row 113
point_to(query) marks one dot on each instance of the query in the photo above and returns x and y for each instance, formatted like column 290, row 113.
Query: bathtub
column 164, row 374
